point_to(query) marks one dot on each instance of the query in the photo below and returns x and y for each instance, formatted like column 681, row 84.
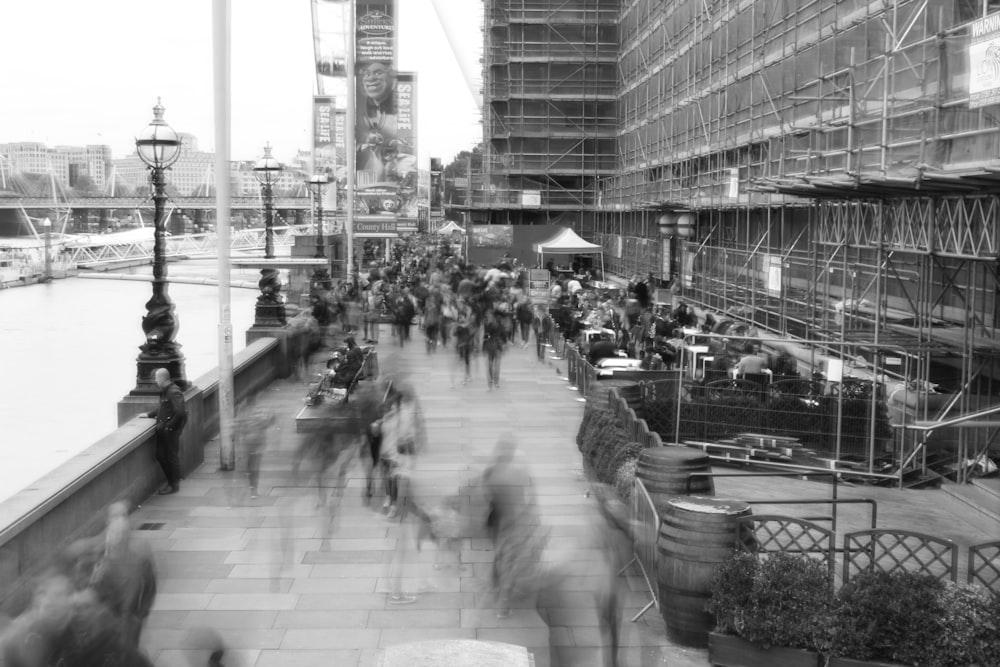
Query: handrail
column 834, row 487
column 820, row 501
column 933, row 425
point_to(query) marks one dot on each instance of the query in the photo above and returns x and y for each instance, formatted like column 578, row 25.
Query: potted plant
column 769, row 612
column 906, row 618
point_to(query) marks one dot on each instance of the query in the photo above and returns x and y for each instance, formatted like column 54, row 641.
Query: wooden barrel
column 666, row 473
column 696, row 536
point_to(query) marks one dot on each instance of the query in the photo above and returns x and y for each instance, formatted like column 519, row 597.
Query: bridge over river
column 97, row 251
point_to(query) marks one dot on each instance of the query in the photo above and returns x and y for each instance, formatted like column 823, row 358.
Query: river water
column 68, row 351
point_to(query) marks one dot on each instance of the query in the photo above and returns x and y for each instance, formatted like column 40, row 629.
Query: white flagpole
column 349, row 147
column 221, row 28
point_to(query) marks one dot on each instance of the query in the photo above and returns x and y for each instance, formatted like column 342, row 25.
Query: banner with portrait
column 331, row 20
column 376, row 106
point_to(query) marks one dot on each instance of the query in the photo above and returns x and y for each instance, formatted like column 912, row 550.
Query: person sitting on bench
column 347, row 371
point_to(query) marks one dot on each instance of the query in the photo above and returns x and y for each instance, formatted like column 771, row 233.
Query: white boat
column 22, row 260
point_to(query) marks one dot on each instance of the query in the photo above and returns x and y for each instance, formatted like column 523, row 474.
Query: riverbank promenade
column 286, row 586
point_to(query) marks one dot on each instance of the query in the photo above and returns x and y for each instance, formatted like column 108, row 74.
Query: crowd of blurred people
column 90, row 607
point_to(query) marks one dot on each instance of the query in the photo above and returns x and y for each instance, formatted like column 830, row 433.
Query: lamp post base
column 148, row 361
column 321, row 280
column 270, row 310
column 269, row 314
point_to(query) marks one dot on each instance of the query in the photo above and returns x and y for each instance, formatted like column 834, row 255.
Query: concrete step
column 983, row 499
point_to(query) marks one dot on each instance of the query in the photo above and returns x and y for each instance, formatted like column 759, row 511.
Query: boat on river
column 22, row 261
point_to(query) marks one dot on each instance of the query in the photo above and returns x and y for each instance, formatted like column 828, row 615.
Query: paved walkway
column 286, row 587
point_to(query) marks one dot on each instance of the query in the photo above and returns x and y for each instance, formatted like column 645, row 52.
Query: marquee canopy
column 452, row 226
column 568, row 242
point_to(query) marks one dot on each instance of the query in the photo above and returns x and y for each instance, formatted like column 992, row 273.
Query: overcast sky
column 89, row 72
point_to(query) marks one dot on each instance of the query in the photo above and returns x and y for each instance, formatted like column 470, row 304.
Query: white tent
column 568, row 242
column 452, row 226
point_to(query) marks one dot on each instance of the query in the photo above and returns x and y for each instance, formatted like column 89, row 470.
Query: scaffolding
column 550, row 88
column 841, row 185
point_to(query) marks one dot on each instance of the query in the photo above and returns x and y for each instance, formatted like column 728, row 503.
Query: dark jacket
column 171, row 414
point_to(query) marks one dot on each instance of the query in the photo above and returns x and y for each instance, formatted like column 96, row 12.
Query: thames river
column 68, row 351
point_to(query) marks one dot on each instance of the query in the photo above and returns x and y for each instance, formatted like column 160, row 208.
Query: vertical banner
column 325, row 148
column 376, row 113
column 402, row 162
column 437, row 188
column 330, row 20
column 340, row 143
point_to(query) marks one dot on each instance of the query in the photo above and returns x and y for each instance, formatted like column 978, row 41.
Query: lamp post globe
column 270, row 309
column 159, row 146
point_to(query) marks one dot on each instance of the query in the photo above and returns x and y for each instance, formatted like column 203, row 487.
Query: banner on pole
column 325, row 147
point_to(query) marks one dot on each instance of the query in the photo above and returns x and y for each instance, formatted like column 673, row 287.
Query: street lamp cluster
column 159, row 146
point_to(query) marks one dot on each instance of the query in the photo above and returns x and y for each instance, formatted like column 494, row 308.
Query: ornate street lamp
column 321, row 276
column 159, row 147
column 268, row 171
column 270, row 310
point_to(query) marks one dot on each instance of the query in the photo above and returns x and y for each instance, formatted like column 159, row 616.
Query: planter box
column 729, row 651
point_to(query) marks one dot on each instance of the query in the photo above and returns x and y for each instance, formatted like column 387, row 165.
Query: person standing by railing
column 171, row 416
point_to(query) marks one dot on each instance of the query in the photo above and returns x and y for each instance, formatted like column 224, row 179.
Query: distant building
column 194, row 169
column 69, row 165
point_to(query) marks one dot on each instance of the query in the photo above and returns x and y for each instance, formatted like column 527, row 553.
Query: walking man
column 171, row 415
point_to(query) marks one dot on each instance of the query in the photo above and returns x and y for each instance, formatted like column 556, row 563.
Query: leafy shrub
column 889, row 616
column 597, row 422
column 604, row 432
column 611, row 456
column 607, row 448
column 732, row 592
column 970, row 628
column 782, row 600
column 624, row 482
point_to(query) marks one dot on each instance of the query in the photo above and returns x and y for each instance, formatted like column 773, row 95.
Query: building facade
column 550, row 87
column 70, row 166
column 823, row 170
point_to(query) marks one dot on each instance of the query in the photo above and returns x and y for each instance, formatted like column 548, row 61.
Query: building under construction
column 827, row 171
column 550, row 86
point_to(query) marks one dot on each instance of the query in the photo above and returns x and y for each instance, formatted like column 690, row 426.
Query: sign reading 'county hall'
column 375, row 227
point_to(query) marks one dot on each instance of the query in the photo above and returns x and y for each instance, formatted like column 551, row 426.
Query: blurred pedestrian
column 402, row 438
column 493, row 343
column 525, row 317
column 464, row 345
column 373, row 313
column 513, row 524
column 595, row 557
column 170, row 415
column 542, row 324
column 253, row 423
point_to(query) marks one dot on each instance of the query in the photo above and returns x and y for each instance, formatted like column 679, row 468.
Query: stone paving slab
column 289, row 586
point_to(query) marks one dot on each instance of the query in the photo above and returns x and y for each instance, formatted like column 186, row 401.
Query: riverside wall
column 71, row 501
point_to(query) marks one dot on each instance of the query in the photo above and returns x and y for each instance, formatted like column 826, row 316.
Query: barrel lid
column 673, row 453
column 705, row 505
